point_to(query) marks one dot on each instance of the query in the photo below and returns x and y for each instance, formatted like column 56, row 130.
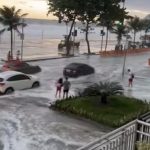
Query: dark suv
column 77, row 69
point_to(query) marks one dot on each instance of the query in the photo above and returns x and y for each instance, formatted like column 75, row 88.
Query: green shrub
column 117, row 112
column 104, row 89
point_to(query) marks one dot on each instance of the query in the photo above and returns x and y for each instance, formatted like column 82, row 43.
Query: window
column 18, row 77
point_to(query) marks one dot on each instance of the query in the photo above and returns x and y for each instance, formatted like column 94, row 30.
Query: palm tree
column 104, row 89
column 10, row 17
column 120, row 30
column 145, row 25
column 1, row 32
column 135, row 25
column 112, row 13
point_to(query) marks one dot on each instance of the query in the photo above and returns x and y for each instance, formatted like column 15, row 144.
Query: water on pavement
column 105, row 69
column 27, row 123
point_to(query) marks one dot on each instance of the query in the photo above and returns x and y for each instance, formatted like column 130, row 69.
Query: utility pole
column 123, row 1
column 125, row 55
column 124, row 63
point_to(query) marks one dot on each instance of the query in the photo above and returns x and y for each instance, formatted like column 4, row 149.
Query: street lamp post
column 125, row 55
column 102, row 34
column 74, row 37
column 123, row 1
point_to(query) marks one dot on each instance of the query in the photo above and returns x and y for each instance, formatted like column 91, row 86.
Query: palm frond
column 9, row 16
column 23, row 15
column 2, row 31
column 109, row 88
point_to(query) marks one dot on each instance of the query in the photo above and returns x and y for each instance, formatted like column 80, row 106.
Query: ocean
column 43, row 36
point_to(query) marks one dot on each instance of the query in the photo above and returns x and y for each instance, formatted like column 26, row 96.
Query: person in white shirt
column 131, row 77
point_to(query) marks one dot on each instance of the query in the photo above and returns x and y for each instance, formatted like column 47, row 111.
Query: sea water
column 41, row 38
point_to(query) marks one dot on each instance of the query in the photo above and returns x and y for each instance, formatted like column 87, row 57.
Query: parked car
column 13, row 80
column 77, row 69
column 20, row 66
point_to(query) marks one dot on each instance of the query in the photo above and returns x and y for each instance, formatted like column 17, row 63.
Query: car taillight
column 2, row 84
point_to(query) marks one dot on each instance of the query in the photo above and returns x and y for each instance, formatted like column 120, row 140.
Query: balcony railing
column 123, row 138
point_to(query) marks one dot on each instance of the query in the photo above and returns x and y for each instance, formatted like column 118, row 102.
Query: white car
column 13, row 80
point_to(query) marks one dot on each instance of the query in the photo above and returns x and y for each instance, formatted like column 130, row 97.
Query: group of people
column 62, row 84
column 66, row 85
column 10, row 56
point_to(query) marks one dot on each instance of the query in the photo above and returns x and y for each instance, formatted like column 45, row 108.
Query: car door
column 25, row 81
column 19, row 82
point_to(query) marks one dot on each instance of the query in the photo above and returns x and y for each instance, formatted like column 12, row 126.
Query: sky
column 39, row 8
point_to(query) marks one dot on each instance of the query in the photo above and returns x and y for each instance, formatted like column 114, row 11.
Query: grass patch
column 143, row 145
column 117, row 112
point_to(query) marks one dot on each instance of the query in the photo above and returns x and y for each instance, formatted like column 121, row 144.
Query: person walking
column 131, row 77
column 66, row 87
column 59, row 85
column 18, row 55
column 9, row 57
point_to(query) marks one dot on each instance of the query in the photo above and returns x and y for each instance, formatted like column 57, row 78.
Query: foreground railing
column 123, row 138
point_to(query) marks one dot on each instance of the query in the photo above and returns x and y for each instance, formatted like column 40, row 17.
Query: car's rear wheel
column 35, row 84
column 9, row 91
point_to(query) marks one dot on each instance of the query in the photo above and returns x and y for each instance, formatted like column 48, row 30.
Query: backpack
column 132, row 75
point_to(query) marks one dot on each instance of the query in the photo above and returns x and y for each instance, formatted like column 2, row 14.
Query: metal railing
column 123, row 138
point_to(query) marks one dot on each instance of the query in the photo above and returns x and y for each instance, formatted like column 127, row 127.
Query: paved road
column 106, row 69
column 27, row 123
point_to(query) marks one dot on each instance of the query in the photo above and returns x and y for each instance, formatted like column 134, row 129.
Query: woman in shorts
column 59, row 85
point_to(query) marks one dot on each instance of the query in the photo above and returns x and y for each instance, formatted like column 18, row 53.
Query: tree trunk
column 11, row 44
column 145, row 38
column 106, row 39
column 68, row 46
column 104, row 99
column 119, row 43
column 134, row 38
column 86, row 37
column 102, row 40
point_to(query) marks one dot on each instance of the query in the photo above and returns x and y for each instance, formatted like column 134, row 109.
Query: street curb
column 43, row 59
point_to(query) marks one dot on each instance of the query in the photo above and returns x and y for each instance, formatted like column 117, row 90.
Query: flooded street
column 106, row 69
column 27, row 123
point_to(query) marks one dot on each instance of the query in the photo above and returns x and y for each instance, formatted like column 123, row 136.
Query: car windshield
column 1, row 79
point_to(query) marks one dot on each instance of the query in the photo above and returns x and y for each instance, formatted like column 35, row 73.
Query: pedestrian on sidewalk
column 59, row 85
column 131, row 77
column 18, row 55
column 66, row 88
column 9, row 56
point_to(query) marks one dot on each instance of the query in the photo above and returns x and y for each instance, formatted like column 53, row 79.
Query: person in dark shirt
column 66, row 87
